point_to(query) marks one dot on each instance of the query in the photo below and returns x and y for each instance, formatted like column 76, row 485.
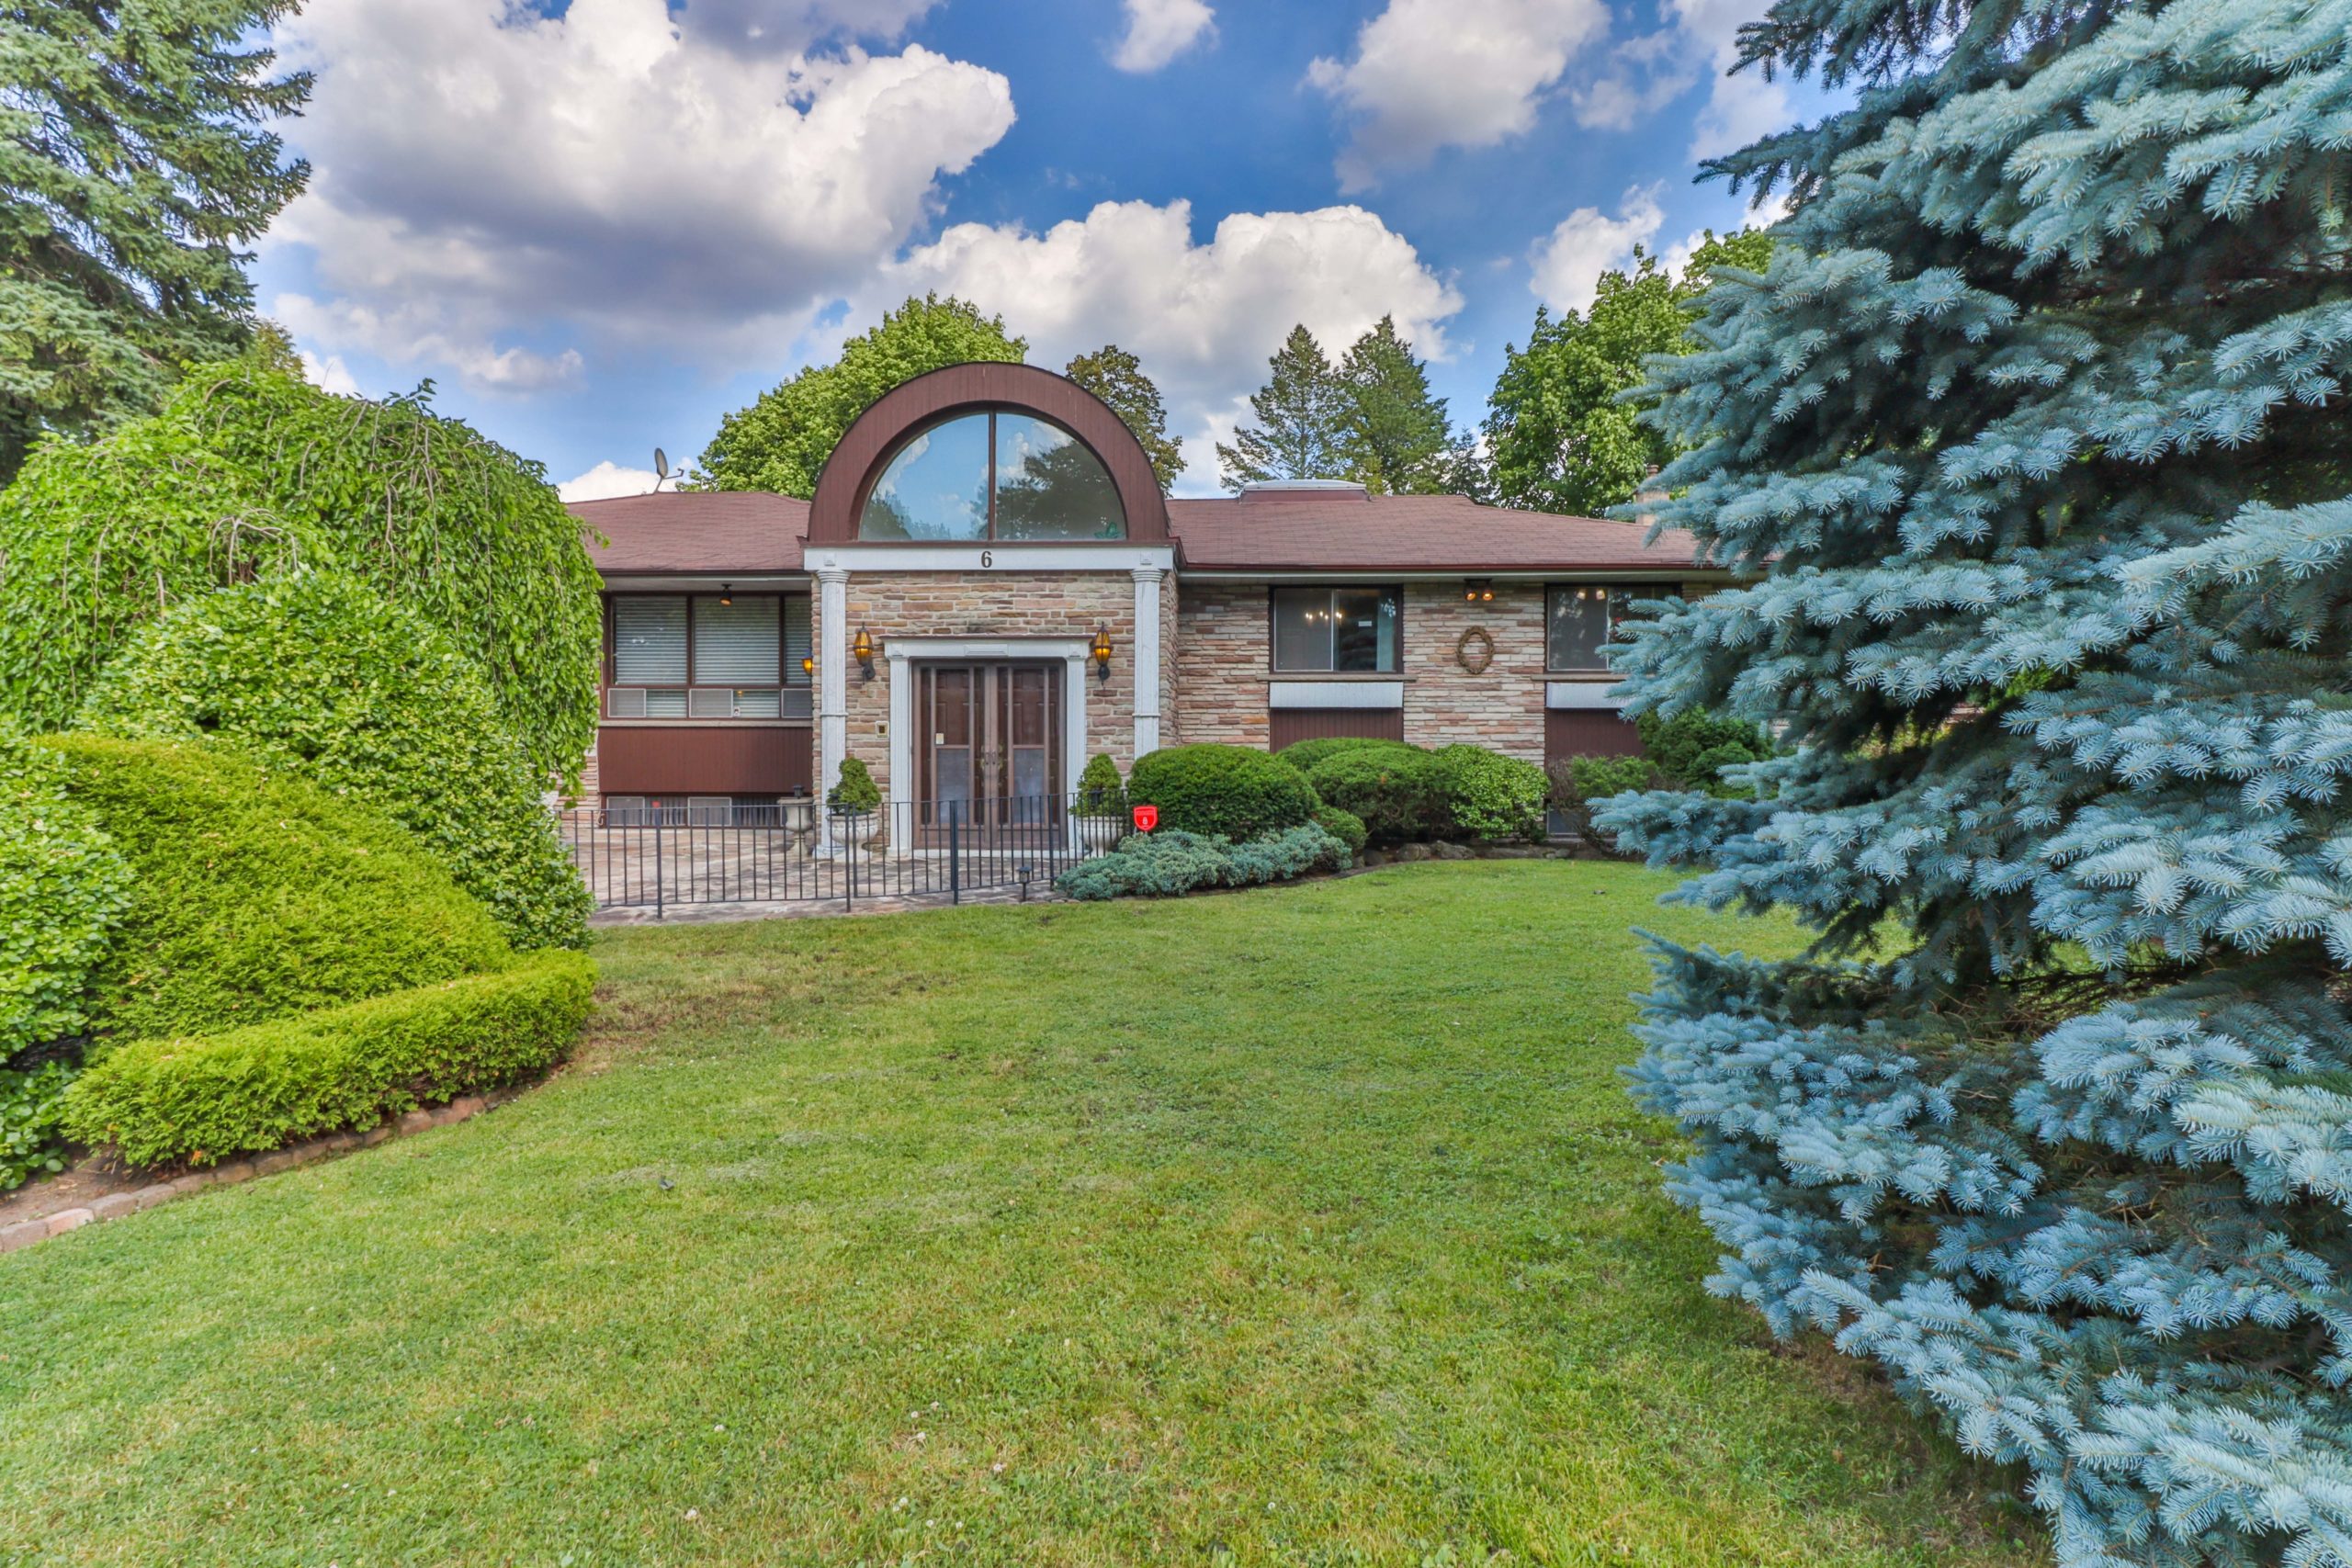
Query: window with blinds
column 738, row 643
column 798, row 645
column 650, row 639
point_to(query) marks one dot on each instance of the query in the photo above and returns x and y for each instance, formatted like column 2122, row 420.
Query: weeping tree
column 2034, row 433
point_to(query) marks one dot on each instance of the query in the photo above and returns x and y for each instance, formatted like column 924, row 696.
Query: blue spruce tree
column 2034, row 433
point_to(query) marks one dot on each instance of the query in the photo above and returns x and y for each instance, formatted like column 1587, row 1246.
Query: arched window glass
column 998, row 475
column 936, row 487
column 1048, row 486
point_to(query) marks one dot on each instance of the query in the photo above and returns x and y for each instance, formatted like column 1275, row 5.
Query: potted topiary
column 1102, row 806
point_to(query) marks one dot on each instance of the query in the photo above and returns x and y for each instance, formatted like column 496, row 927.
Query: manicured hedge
column 1304, row 754
column 202, row 1100
column 1394, row 789
column 1171, row 861
column 1236, row 790
column 255, row 896
column 320, row 675
column 1489, row 796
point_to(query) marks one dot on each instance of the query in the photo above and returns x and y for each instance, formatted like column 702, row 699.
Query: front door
column 989, row 749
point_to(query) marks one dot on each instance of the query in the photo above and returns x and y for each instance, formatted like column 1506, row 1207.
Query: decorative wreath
column 1476, row 650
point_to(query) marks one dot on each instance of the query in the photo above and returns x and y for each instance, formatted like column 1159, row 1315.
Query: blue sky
column 597, row 228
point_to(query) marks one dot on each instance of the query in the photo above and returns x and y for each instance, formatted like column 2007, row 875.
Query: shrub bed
column 1345, row 825
column 1395, row 790
column 1304, row 754
column 1488, row 796
column 203, row 1099
column 320, row 675
column 1171, row 861
column 257, row 895
column 1235, row 792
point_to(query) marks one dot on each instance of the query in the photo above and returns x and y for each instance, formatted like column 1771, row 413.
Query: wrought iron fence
column 796, row 850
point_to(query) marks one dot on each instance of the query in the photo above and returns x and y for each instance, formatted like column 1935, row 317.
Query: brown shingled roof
column 709, row 532
column 696, row 531
column 1339, row 530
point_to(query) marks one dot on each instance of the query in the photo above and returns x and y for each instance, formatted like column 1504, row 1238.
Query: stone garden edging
column 39, row 1227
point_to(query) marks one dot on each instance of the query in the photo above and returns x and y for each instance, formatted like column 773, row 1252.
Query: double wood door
column 989, row 750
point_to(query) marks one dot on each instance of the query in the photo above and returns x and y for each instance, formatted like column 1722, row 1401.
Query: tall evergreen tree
column 781, row 441
column 1117, row 376
column 2035, row 432
column 131, row 168
column 1561, row 433
column 1396, row 438
column 1301, row 432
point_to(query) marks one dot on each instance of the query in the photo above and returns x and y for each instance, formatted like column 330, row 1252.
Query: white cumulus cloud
column 1202, row 317
column 1739, row 108
column 607, row 174
column 605, row 481
column 1434, row 73
column 1159, row 30
column 1565, row 269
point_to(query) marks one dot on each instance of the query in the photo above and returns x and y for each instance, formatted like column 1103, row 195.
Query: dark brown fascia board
column 1645, row 572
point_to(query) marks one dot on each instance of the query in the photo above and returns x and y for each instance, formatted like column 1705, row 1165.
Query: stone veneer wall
column 1222, row 660
column 991, row 604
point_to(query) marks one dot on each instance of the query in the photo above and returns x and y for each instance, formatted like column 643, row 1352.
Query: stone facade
column 1222, row 665
column 1009, row 604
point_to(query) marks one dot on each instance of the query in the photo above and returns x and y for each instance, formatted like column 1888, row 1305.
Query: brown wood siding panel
column 1286, row 726
column 1587, row 732
column 683, row 760
column 875, row 434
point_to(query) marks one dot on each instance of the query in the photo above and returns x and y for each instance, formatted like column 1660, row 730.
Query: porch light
column 1101, row 652
column 808, row 664
column 1478, row 591
column 863, row 647
column 727, row 593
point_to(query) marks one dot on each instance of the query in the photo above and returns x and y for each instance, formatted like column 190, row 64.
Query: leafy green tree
column 1302, row 412
column 781, row 441
column 1560, row 434
column 1117, row 376
column 1396, row 436
column 248, row 471
column 2032, row 437
column 132, row 166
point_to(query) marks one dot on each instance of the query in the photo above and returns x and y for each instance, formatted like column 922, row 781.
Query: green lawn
column 1299, row 1226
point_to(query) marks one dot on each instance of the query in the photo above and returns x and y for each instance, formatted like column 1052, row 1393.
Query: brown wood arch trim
column 907, row 408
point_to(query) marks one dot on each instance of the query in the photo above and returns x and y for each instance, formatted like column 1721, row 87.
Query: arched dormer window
column 997, row 473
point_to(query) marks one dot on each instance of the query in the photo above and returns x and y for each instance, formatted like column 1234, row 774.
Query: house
column 987, row 589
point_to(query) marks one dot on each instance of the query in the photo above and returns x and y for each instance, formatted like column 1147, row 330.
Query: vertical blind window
column 650, row 639
column 1341, row 630
column 1582, row 620
column 796, row 644
column 736, row 644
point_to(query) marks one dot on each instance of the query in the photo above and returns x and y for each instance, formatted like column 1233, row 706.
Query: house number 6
column 988, row 558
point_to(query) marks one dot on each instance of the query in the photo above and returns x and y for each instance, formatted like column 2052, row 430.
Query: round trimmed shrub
column 856, row 790
column 1345, row 825
column 1395, row 790
column 255, row 894
column 63, row 891
column 1488, row 795
column 318, row 674
column 1100, row 792
column 1236, row 791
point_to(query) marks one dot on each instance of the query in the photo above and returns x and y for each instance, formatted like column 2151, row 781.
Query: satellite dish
column 661, row 463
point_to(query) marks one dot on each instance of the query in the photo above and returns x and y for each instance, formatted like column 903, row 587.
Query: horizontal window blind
column 796, row 643
column 736, row 644
column 649, row 639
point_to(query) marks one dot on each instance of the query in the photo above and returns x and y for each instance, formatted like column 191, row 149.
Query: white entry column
column 1148, row 656
column 833, row 688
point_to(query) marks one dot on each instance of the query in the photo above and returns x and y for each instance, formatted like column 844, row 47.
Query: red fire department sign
column 1146, row 819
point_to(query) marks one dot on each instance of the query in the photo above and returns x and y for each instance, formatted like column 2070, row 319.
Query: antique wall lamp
column 1101, row 652
column 863, row 647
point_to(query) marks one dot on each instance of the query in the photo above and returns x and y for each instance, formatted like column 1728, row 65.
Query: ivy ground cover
column 1307, row 1225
